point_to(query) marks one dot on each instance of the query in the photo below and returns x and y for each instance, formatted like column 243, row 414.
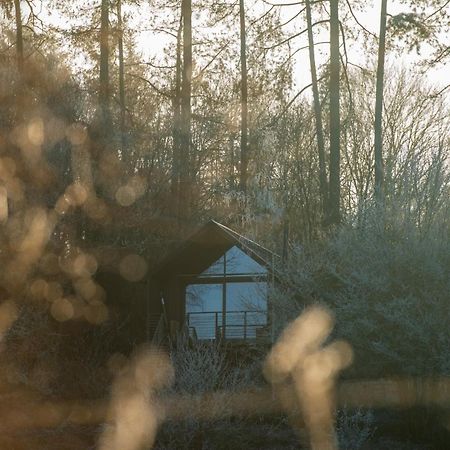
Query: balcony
column 234, row 325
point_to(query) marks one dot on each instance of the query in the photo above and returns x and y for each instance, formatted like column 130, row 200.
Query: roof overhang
column 207, row 245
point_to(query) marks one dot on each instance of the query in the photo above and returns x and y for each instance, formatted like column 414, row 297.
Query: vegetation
column 126, row 124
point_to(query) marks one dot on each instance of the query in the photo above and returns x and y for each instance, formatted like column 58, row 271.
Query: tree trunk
column 378, row 147
column 81, row 166
column 334, row 195
column 317, row 113
column 19, row 37
column 176, row 111
column 104, row 89
column 186, row 113
column 121, row 78
column 244, row 103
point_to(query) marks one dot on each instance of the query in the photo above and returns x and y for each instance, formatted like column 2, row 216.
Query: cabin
column 213, row 287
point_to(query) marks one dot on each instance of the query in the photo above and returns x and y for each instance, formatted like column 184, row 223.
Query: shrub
column 389, row 289
column 355, row 428
column 202, row 368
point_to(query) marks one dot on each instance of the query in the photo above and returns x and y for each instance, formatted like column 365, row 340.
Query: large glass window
column 235, row 307
column 235, row 262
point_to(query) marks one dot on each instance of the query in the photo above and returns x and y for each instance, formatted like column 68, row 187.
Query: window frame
column 223, row 279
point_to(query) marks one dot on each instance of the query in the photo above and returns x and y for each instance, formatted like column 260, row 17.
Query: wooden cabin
column 214, row 286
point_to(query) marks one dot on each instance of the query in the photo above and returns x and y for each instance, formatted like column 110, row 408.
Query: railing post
column 224, row 298
column 216, row 326
column 245, row 325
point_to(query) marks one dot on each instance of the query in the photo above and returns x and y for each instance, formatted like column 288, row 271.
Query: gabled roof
column 205, row 246
column 259, row 253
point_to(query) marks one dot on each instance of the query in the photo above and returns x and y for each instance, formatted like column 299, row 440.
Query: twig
column 358, row 22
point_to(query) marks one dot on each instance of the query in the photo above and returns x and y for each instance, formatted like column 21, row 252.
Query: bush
column 389, row 288
column 202, row 368
column 355, row 428
column 69, row 363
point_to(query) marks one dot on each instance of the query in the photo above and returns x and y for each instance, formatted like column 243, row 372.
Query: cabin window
column 229, row 299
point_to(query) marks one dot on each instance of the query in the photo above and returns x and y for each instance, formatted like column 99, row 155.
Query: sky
column 151, row 44
column 370, row 19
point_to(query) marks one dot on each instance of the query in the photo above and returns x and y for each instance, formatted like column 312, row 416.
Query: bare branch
column 151, row 84
column 437, row 94
column 307, row 46
column 213, row 59
column 149, row 63
column 262, row 17
column 437, row 11
column 278, row 44
column 282, row 4
column 296, row 96
column 358, row 22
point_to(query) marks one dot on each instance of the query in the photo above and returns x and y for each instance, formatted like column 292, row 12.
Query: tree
column 186, row 112
column 19, row 38
column 176, row 126
column 378, row 146
column 334, row 216
column 317, row 112
column 104, row 84
column 8, row 7
column 244, row 101
column 121, row 76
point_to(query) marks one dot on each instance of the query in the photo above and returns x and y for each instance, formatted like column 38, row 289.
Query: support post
column 224, row 298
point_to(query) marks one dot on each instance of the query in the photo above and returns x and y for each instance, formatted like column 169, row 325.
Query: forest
column 319, row 129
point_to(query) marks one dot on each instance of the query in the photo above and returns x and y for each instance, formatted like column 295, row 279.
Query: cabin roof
column 205, row 246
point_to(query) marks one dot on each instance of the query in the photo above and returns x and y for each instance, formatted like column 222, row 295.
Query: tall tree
column 334, row 212
column 176, row 116
column 104, row 85
column 121, row 75
column 186, row 111
column 317, row 111
column 378, row 147
column 244, row 102
column 19, row 37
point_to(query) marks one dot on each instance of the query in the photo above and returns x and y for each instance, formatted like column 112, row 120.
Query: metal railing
column 236, row 325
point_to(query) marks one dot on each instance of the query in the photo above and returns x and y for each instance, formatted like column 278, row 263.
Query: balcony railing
column 236, row 325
